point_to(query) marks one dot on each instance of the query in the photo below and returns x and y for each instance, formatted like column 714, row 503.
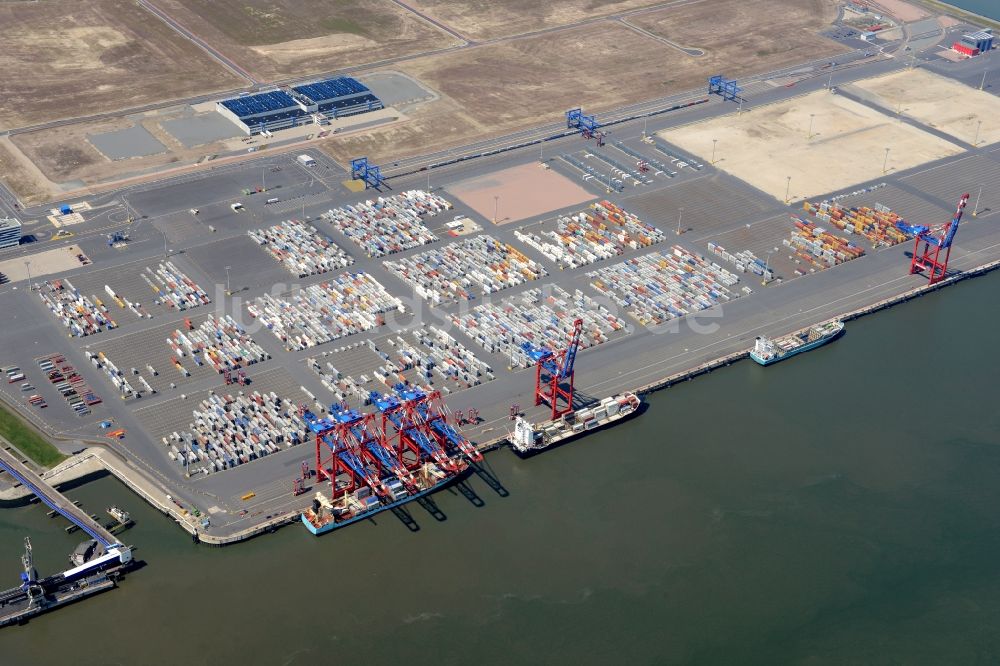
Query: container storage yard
column 744, row 261
column 659, row 286
column 389, row 224
column 173, row 289
column 427, row 356
column 590, row 236
column 80, row 314
column 73, row 387
column 301, row 249
column 219, row 343
column 540, row 317
column 347, row 304
column 467, row 268
column 228, row 431
column 877, row 224
column 818, row 247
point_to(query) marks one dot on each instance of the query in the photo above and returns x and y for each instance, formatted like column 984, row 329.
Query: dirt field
column 501, row 18
column 278, row 39
column 921, row 94
column 770, row 143
column 66, row 59
column 524, row 191
column 532, row 80
column 738, row 40
column 903, row 11
column 65, row 154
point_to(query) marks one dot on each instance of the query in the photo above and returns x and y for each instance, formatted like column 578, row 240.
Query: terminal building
column 975, row 43
column 317, row 102
column 10, row 232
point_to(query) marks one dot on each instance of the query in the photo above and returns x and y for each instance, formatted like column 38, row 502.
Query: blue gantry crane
column 369, row 173
column 725, row 88
column 586, row 125
column 408, row 433
column 554, row 373
column 934, row 239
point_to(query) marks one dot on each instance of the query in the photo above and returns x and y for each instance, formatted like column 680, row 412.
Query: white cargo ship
column 526, row 440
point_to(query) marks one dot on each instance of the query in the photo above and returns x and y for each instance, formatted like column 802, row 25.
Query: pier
column 53, row 498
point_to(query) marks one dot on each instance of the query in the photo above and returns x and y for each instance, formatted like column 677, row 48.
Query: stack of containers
column 659, row 286
column 135, row 307
column 540, row 318
column 230, row 431
column 482, row 264
column 219, row 343
column 118, row 378
column 350, row 303
column 744, row 261
column 818, row 247
column 388, row 224
column 81, row 315
column 877, row 224
column 585, row 238
column 345, row 388
column 301, row 249
column 173, row 288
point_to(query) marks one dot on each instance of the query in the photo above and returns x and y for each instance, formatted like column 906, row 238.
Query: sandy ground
column 524, row 191
column 47, row 164
column 52, row 261
column 770, row 143
column 480, row 20
column 903, row 11
column 485, row 91
column 923, row 95
column 737, row 40
column 279, row 39
column 529, row 81
column 67, row 59
column 21, row 176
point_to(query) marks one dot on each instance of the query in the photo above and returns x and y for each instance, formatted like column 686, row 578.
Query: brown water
column 842, row 507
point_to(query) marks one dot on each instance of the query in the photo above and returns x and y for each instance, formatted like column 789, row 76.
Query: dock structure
column 52, row 497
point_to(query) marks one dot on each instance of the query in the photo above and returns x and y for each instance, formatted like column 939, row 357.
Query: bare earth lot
column 519, row 192
column 480, row 20
column 502, row 87
column 67, row 59
column 278, row 39
column 770, row 143
column 924, row 96
column 740, row 37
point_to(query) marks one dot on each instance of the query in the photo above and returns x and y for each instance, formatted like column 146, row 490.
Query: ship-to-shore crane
column 934, row 239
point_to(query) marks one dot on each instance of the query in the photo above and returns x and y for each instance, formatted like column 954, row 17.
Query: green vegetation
column 27, row 440
column 343, row 25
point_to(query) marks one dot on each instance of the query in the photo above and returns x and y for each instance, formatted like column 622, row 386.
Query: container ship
column 766, row 351
column 527, row 441
column 326, row 514
column 382, row 460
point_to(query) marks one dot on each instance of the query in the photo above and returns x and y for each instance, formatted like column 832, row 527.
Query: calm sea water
column 840, row 508
column 987, row 8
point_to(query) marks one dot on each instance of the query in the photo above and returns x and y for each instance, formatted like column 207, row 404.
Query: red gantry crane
column 554, row 373
column 934, row 239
